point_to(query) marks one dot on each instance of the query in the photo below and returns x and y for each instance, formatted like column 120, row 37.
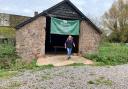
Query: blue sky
column 91, row 8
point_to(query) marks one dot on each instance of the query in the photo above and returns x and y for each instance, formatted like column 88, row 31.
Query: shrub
column 111, row 54
column 21, row 64
column 10, row 61
column 7, row 55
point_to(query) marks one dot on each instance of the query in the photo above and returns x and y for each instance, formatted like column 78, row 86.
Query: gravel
column 70, row 77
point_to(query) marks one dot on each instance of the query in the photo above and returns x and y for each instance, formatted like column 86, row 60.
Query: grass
column 76, row 64
column 7, row 55
column 10, row 61
column 7, row 74
column 101, row 81
column 20, row 65
column 44, row 67
column 110, row 54
column 7, row 31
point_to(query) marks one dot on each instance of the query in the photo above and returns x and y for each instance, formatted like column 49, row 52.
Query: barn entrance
column 54, row 43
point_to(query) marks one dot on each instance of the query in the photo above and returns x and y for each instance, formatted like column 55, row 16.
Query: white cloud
column 6, row 8
column 27, row 10
column 25, row 7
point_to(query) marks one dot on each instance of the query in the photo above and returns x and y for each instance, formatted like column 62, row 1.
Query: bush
column 20, row 64
column 7, row 55
column 111, row 54
column 10, row 61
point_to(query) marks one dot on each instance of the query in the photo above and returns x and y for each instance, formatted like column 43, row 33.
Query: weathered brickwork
column 89, row 38
column 30, row 39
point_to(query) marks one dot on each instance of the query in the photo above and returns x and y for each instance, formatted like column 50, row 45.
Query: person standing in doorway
column 69, row 43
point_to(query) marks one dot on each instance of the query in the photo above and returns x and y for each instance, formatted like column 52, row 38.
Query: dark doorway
column 54, row 43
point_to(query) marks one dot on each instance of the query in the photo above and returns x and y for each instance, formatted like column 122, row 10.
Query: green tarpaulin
column 64, row 27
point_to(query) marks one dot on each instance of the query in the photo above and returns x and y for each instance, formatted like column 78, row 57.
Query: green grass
column 100, row 81
column 7, row 51
column 7, row 32
column 7, row 74
column 76, row 64
column 20, row 65
column 7, row 55
column 110, row 54
column 43, row 67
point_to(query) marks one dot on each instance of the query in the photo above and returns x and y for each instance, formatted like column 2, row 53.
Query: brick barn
column 34, row 36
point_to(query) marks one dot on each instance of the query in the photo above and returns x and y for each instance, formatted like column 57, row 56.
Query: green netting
column 64, row 27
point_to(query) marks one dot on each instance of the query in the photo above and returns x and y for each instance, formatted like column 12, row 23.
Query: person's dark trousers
column 69, row 52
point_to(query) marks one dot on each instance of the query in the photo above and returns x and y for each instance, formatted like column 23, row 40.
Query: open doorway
column 54, row 43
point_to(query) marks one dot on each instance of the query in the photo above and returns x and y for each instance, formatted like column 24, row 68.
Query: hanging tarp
column 64, row 27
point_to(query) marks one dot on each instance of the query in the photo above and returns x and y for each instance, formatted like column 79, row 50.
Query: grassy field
column 110, row 54
column 7, row 32
column 7, row 74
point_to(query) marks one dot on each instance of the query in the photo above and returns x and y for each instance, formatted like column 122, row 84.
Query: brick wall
column 30, row 39
column 89, row 38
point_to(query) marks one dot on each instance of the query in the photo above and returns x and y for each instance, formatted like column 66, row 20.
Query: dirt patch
column 61, row 60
